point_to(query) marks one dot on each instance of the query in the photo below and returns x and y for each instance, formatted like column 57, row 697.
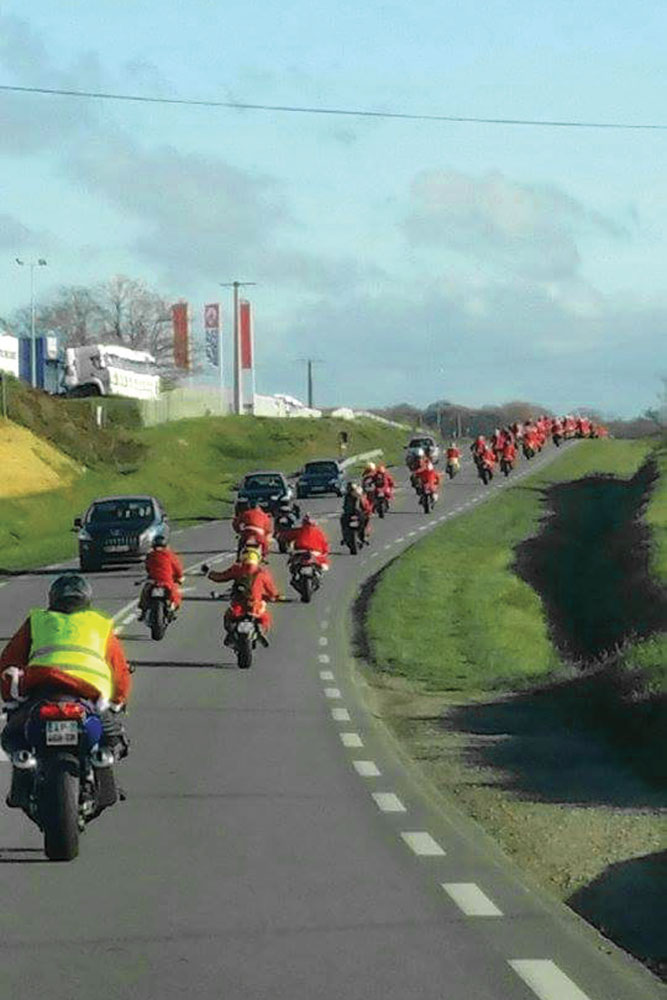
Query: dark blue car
column 323, row 476
column 119, row 529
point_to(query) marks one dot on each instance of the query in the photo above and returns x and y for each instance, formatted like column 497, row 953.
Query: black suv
column 320, row 477
column 119, row 529
column 268, row 488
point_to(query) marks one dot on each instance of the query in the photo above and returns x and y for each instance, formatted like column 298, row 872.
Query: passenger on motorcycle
column 70, row 649
column 254, row 526
column 309, row 537
column 253, row 586
column 356, row 504
column 163, row 567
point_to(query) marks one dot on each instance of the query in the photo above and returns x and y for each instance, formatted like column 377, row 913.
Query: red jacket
column 453, row 453
column 429, row 478
column 384, row 481
column 17, row 654
column 255, row 518
column 310, row 537
column 263, row 585
column 164, row 566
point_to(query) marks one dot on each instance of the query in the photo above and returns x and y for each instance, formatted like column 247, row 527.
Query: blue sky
column 418, row 260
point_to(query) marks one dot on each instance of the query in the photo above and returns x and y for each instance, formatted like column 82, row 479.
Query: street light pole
column 32, row 264
column 237, row 406
column 310, row 362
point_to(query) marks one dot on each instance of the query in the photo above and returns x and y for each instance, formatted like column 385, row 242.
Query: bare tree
column 133, row 315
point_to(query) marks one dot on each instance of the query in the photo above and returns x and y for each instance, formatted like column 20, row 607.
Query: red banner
column 245, row 320
column 179, row 316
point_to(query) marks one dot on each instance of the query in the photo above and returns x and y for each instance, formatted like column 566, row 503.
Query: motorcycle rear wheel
column 59, row 811
column 157, row 620
column 306, row 590
column 244, row 652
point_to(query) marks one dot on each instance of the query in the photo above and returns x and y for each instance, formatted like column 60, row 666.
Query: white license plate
column 62, row 732
column 245, row 627
column 354, row 523
column 307, row 571
column 158, row 592
column 116, row 548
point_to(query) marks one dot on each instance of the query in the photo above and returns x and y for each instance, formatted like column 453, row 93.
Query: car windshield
column 264, row 482
column 421, row 443
column 120, row 510
column 321, row 469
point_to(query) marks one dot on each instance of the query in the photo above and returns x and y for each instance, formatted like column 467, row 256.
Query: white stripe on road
column 387, row 802
column 411, row 534
column 326, row 675
column 332, row 693
column 340, row 715
column 399, row 540
column 470, row 898
column 351, row 739
column 366, row 768
column 323, row 658
column 323, row 640
column 324, row 625
column 374, row 555
column 546, row 980
column 422, row 843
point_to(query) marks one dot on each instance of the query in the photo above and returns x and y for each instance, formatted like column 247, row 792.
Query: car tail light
column 62, row 710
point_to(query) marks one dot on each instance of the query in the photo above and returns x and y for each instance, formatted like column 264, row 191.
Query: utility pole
column 237, row 406
column 32, row 264
column 309, row 362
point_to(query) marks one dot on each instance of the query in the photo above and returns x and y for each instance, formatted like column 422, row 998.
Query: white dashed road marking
column 326, row 675
column 423, row 844
column 340, row 715
column 374, row 555
column 546, row 980
column 323, row 640
column 332, row 693
column 366, row 768
column 387, row 802
column 323, row 658
column 351, row 739
column 470, row 898
column 324, row 625
column 411, row 534
column 399, row 540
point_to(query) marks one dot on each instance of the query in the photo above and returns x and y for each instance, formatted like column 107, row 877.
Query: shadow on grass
column 550, row 745
column 628, row 904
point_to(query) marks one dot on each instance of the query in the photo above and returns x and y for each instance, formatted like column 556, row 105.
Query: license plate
column 116, row 548
column 245, row 627
column 307, row 571
column 158, row 592
column 354, row 523
column 62, row 732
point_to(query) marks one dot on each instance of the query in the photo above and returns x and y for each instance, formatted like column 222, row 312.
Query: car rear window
column 267, row 482
column 321, row 468
column 121, row 510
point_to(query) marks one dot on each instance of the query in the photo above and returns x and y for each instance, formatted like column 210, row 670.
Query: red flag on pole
column 245, row 320
column 179, row 316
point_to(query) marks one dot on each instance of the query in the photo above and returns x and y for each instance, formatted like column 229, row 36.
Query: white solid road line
column 351, row 739
column 340, row 715
column 387, row 802
column 470, row 898
column 332, row 693
column 326, row 675
column 366, row 768
column 423, row 844
column 323, row 658
column 546, row 980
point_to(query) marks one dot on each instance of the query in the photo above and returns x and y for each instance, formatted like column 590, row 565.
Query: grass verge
column 190, row 465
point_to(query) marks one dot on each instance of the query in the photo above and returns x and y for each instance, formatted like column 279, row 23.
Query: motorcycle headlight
column 274, row 496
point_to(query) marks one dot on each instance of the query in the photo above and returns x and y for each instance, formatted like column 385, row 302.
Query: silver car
column 427, row 443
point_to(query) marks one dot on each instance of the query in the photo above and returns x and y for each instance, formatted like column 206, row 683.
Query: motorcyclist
column 509, row 451
column 310, row 538
column 254, row 525
column 453, row 455
column 478, row 446
column 356, row 504
column 262, row 589
column 68, row 648
column 369, row 472
column 165, row 568
column 429, row 479
column 384, row 481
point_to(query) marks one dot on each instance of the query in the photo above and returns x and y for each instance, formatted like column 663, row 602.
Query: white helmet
column 371, row 466
column 419, row 452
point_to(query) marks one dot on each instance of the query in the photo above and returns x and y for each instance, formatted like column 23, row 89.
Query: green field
column 451, row 613
column 190, row 465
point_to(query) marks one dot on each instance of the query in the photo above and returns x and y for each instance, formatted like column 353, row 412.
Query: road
column 273, row 844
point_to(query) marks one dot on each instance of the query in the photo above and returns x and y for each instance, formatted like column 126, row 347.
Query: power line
column 345, row 112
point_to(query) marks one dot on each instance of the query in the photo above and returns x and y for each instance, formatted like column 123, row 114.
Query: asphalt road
column 272, row 844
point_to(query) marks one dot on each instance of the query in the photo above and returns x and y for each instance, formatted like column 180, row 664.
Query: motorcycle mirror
column 205, row 568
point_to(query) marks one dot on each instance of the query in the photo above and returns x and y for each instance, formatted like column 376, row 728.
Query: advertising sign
column 180, row 322
column 9, row 354
column 245, row 320
column 212, row 333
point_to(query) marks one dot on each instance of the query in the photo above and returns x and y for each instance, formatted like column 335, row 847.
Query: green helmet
column 70, row 592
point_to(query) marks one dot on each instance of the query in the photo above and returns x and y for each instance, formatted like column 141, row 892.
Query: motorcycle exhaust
column 102, row 757
column 24, row 760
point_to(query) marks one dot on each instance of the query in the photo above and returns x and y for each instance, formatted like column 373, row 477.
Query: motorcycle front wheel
column 59, row 811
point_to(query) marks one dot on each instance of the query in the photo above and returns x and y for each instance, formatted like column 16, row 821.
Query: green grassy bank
column 189, row 465
column 452, row 614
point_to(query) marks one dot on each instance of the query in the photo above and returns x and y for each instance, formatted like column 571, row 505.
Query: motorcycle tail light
column 62, row 710
column 237, row 610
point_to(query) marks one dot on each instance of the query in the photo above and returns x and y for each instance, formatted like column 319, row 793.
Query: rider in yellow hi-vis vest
column 69, row 649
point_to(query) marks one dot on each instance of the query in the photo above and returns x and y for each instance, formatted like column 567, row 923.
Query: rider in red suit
column 164, row 568
column 309, row 537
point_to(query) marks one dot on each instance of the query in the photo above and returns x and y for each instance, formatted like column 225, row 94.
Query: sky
column 414, row 260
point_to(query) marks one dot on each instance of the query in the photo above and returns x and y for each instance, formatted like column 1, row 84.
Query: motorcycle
column 284, row 523
column 557, row 438
column 528, row 451
column 353, row 533
column 306, row 573
column 243, row 632
column 506, row 466
column 485, row 470
column 160, row 613
column 69, row 776
column 427, row 499
column 380, row 502
column 452, row 468
column 250, row 537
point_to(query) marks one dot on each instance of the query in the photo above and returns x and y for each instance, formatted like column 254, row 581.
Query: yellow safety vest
column 75, row 644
